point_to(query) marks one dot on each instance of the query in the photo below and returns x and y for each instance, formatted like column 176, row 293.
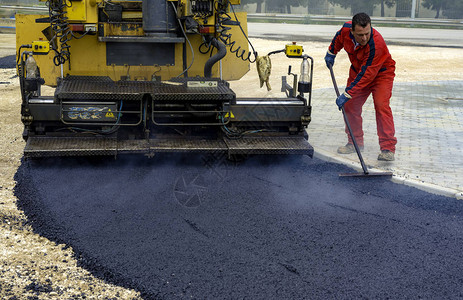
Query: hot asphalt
column 199, row 227
column 183, row 226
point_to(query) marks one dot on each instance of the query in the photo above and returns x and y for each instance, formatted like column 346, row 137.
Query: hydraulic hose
column 222, row 51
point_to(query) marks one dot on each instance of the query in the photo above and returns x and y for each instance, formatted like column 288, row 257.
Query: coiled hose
column 62, row 31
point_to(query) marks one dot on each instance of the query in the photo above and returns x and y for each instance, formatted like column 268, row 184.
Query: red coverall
column 372, row 71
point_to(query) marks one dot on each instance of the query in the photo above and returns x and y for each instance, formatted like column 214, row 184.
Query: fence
column 400, row 9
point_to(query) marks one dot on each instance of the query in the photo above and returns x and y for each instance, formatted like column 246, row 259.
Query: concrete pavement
column 429, row 128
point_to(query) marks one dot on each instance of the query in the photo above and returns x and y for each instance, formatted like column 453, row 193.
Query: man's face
column 362, row 34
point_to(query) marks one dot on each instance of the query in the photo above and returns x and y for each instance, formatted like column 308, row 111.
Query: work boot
column 348, row 149
column 386, row 155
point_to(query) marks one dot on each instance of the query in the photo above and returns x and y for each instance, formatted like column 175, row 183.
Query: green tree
column 281, row 5
column 313, row 6
column 434, row 5
column 258, row 2
column 356, row 6
column 453, row 9
column 389, row 4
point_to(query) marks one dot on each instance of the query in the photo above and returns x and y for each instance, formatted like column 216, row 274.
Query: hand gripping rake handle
column 357, row 149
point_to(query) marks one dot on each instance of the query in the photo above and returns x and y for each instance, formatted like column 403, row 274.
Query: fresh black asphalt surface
column 8, row 62
column 200, row 227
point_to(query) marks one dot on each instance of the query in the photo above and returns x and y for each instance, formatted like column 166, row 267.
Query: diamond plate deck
column 64, row 146
column 270, row 145
column 104, row 89
column 91, row 146
column 173, row 145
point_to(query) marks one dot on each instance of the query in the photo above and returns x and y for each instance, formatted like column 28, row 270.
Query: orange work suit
column 372, row 71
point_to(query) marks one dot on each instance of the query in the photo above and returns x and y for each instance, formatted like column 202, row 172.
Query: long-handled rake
column 365, row 173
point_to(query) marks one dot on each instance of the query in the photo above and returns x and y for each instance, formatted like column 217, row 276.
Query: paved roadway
column 197, row 227
column 429, row 129
column 393, row 35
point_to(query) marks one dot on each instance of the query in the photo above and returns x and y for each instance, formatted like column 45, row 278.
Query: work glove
column 329, row 59
column 264, row 68
column 342, row 99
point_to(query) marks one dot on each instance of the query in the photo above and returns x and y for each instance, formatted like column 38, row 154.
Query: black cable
column 189, row 43
column 61, row 29
column 242, row 30
column 81, row 36
column 225, row 37
column 205, row 44
column 18, row 55
column 276, row 51
column 19, row 52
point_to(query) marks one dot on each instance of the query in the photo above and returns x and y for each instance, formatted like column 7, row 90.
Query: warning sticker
column 109, row 114
column 230, row 115
column 89, row 112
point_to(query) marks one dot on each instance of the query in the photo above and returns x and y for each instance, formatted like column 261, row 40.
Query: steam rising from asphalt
column 196, row 226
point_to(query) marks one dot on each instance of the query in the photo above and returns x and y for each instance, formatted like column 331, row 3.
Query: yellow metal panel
column 132, row 14
column 235, row 2
column 92, row 12
column 77, row 11
column 28, row 31
column 123, row 29
column 88, row 55
column 184, row 8
column 83, row 11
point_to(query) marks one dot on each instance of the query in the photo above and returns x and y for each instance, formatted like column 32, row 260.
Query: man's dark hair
column 361, row 19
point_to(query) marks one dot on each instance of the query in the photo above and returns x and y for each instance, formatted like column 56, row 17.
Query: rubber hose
column 222, row 51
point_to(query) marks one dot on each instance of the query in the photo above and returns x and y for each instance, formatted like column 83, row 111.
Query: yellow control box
column 40, row 47
column 293, row 50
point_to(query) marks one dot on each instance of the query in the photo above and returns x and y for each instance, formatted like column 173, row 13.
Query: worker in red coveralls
column 371, row 72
